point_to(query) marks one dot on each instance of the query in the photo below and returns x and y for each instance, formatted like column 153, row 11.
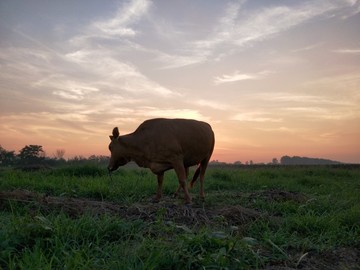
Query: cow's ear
column 115, row 132
column 111, row 137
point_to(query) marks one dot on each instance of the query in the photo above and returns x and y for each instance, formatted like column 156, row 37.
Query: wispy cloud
column 64, row 87
column 118, row 74
column 38, row 43
column 353, row 9
column 255, row 117
column 119, row 25
column 278, row 129
column 199, row 51
column 288, row 98
column 224, row 31
column 240, row 27
column 212, row 104
column 307, row 48
column 348, row 51
column 233, row 78
column 107, row 67
column 323, row 113
column 264, row 23
column 174, row 113
column 176, row 61
column 237, row 76
column 348, row 82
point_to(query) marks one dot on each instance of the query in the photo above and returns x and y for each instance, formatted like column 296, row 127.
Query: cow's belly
column 189, row 163
column 193, row 159
column 158, row 168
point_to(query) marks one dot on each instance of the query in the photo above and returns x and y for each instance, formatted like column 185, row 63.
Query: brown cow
column 164, row 144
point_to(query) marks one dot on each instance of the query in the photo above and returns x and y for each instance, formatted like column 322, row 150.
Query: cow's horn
column 115, row 132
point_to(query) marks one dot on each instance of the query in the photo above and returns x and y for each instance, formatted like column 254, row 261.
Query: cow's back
column 192, row 139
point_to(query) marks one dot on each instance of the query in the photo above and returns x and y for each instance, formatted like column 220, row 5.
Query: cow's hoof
column 188, row 203
column 155, row 200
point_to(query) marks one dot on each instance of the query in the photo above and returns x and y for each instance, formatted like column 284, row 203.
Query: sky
column 272, row 78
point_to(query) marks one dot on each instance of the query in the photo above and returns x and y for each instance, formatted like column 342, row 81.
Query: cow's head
column 117, row 149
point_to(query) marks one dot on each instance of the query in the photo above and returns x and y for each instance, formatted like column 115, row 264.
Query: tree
column 275, row 161
column 31, row 154
column 285, row 160
column 99, row 159
column 6, row 157
column 59, row 154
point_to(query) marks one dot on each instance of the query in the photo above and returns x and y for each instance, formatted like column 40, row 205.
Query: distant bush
column 33, row 167
column 81, row 170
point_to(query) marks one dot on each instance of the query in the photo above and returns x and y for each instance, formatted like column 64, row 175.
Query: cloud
column 212, row 104
column 224, row 30
column 348, row 51
column 35, row 41
column 103, row 61
column 311, row 110
column 324, row 113
column 348, row 83
column 236, row 76
column 37, row 123
column 64, row 87
column 233, row 78
column 117, row 74
column 172, row 113
column 89, row 77
column 307, row 48
column 262, row 24
column 199, row 51
column 176, row 61
column 278, row 129
column 119, row 25
column 255, row 117
column 240, row 26
column 353, row 9
column 288, row 98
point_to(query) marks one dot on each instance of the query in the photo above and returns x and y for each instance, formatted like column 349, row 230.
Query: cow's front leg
column 160, row 179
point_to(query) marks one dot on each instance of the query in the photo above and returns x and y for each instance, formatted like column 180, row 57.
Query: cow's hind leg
column 196, row 175
column 176, row 194
column 203, row 166
column 181, row 174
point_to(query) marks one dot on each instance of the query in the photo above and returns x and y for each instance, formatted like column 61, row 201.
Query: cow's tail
column 196, row 175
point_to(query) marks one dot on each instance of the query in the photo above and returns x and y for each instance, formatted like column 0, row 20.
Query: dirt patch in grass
column 279, row 196
column 167, row 209
column 339, row 258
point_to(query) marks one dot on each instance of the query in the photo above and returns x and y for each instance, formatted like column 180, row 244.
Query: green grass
column 325, row 219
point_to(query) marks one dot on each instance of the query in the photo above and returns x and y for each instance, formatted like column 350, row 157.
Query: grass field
column 252, row 218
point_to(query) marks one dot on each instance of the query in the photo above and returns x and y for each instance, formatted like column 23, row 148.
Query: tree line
column 35, row 155
column 296, row 160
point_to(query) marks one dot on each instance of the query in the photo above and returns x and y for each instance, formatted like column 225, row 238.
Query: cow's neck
column 134, row 150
